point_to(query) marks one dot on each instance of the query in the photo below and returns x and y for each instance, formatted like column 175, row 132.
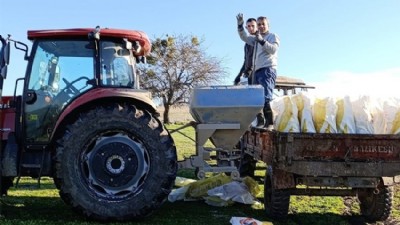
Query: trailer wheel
column 276, row 201
column 376, row 205
column 115, row 162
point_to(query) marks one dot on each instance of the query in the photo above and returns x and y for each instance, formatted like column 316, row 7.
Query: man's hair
column 251, row 20
column 263, row 18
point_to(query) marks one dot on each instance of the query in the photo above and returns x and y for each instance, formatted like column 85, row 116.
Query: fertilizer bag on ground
column 199, row 188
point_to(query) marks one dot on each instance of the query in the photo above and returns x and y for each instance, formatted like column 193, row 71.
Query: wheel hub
column 116, row 165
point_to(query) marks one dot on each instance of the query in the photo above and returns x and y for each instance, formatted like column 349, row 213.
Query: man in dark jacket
column 247, row 68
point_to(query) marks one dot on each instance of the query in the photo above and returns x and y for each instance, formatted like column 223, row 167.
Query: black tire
column 377, row 206
column 6, row 183
column 247, row 165
column 276, row 201
column 115, row 163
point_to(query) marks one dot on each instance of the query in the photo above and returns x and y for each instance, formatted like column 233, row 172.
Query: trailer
column 315, row 164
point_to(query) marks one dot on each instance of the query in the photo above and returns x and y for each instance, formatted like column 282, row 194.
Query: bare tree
column 175, row 65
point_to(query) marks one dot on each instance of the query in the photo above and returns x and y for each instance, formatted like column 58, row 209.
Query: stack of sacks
column 363, row 115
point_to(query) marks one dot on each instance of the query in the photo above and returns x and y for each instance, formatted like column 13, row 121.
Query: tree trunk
column 166, row 113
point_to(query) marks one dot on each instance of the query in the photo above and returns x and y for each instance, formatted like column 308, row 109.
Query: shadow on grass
column 49, row 209
column 52, row 210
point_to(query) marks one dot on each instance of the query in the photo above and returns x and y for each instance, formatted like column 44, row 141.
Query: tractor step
column 31, row 166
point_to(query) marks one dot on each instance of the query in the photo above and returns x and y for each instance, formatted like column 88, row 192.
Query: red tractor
column 83, row 120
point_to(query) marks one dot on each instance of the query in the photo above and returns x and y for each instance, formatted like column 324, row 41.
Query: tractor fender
column 101, row 95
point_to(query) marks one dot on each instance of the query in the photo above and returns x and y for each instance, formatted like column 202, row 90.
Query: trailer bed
column 323, row 154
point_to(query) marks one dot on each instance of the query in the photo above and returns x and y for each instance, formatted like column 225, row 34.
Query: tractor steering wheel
column 70, row 86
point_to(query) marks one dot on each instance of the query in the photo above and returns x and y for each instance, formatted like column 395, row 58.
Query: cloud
column 385, row 83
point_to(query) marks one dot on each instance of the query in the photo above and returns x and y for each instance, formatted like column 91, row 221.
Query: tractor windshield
column 62, row 70
column 56, row 61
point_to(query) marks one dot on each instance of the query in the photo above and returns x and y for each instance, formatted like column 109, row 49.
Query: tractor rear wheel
column 376, row 204
column 115, row 162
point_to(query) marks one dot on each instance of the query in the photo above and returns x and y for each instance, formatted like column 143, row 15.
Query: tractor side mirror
column 4, row 57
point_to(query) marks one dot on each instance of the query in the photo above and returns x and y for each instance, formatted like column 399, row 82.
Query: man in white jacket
column 265, row 59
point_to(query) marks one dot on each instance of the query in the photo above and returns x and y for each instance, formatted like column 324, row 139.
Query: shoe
column 260, row 120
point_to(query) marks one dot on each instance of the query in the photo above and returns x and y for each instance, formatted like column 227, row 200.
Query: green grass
column 30, row 205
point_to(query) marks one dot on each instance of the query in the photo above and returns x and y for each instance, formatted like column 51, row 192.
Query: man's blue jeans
column 266, row 77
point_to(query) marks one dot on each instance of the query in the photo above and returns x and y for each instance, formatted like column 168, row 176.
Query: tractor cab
column 66, row 64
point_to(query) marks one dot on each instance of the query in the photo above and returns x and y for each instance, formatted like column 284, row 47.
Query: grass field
column 30, row 205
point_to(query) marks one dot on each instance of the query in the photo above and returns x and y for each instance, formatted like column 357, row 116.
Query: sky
column 342, row 47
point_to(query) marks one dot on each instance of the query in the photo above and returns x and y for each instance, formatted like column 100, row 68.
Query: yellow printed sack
column 304, row 103
column 199, row 188
column 324, row 115
column 285, row 112
column 345, row 123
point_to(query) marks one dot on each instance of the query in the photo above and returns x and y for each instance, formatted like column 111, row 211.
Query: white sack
column 378, row 117
column 285, row 112
column 391, row 113
column 345, row 122
column 234, row 191
column 303, row 104
column 362, row 115
column 324, row 115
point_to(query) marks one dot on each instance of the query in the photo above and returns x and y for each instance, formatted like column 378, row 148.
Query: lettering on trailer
column 311, row 148
column 382, row 149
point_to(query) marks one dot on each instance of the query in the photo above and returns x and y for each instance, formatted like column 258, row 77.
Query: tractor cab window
column 60, row 72
column 117, row 65
column 60, row 66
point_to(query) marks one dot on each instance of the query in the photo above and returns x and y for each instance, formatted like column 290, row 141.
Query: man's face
column 262, row 25
column 251, row 27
